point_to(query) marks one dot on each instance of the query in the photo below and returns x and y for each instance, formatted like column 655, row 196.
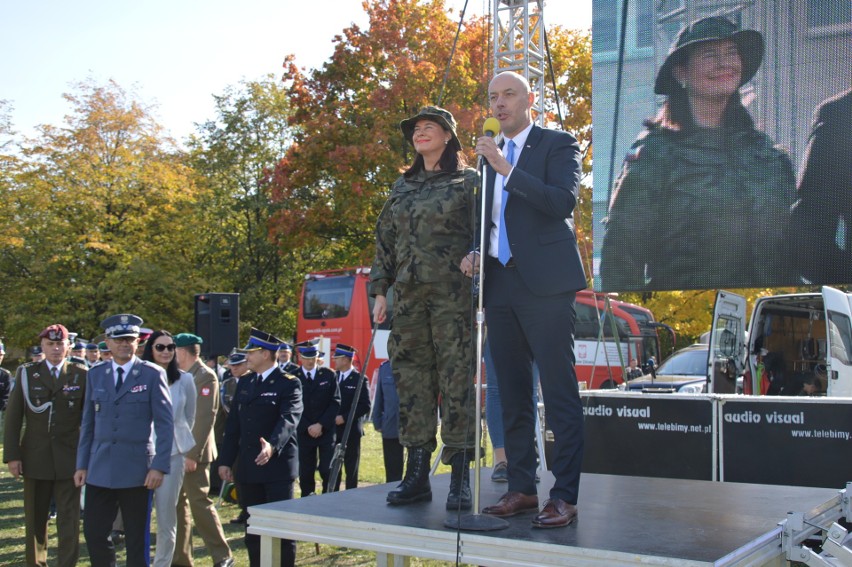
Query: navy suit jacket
column 125, row 433
column 543, row 191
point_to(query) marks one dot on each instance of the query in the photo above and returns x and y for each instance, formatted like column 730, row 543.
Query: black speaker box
column 217, row 322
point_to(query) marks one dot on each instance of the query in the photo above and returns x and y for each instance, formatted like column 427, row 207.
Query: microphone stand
column 478, row 522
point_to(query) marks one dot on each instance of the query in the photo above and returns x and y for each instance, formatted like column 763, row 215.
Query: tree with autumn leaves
column 348, row 148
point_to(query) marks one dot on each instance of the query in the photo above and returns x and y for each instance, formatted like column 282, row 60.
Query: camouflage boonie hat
column 749, row 44
column 435, row 114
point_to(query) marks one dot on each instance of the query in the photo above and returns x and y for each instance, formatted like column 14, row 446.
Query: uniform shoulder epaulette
column 289, row 376
column 79, row 365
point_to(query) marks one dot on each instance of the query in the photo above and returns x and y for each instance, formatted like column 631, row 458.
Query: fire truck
column 336, row 307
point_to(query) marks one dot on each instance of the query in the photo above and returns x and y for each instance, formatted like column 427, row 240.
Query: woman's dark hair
column 451, row 160
column 676, row 113
column 172, row 370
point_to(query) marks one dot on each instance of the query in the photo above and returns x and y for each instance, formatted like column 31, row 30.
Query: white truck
column 805, row 335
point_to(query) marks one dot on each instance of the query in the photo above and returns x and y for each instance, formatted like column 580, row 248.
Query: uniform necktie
column 120, row 380
column 55, row 372
column 504, row 253
column 310, row 375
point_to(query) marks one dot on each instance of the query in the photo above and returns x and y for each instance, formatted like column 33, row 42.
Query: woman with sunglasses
column 160, row 349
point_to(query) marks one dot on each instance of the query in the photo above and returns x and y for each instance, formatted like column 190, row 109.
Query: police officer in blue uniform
column 347, row 380
column 260, row 435
column 321, row 397
column 117, row 458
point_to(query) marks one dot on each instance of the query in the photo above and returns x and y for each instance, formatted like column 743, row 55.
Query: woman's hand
column 470, row 264
column 380, row 309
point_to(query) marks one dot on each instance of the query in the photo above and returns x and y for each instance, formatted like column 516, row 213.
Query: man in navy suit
column 261, row 435
column 532, row 271
column 117, row 458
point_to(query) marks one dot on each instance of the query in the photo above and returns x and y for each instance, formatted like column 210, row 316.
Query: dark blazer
column 270, row 409
column 347, row 396
column 48, row 448
column 539, row 212
column 116, row 445
column 321, row 397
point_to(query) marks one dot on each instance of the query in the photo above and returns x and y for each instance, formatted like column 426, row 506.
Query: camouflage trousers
column 431, row 359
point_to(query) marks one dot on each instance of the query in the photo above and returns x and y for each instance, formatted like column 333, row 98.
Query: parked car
column 684, row 372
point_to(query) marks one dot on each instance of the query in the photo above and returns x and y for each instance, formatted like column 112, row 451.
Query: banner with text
column 646, row 435
column 798, row 442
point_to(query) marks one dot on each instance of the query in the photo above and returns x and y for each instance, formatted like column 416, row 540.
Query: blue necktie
column 504, row 253
column 120, row 380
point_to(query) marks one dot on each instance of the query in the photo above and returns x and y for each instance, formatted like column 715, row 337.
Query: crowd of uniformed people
column 105, row 432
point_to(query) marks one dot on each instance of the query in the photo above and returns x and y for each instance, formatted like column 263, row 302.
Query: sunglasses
column 161, row 347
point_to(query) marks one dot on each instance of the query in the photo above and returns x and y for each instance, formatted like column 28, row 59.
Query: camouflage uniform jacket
column 425, row 228
column 701, row 209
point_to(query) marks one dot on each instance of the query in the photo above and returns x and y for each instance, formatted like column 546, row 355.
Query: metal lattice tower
column 519, row 44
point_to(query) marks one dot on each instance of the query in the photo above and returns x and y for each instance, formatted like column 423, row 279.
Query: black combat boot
column 459, row 496
column 415, row 486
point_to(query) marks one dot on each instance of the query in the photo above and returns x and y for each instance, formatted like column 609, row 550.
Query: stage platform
column 622, row 521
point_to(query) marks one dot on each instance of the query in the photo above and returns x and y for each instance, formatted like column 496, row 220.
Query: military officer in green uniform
column 425, row 228
column 47, row 404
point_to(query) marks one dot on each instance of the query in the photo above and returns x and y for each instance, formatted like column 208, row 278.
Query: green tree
column 98, row 219
column 233, row 155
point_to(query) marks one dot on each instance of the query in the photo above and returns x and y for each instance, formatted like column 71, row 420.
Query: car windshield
column 689, row 363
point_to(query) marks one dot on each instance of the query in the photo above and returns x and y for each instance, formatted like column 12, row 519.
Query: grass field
column 371, row 472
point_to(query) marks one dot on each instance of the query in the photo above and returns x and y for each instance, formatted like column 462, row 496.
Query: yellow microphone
column 491, row 127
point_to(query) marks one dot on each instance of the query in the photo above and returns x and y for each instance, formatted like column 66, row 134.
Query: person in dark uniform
column 36, row 354
column 5, row 380
column 119, row 460
column 47, row 404
column 237, row 368
column 78, row 353
column 347, row 381
column 386, row 421
column 284, row 356
column 261, row 436
column 321, row 397
column 103, row 351
column 92, row 354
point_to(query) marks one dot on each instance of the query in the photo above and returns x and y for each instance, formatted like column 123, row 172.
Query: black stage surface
column 622, row 520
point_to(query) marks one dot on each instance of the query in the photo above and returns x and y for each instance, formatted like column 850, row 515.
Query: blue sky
column 175, row 53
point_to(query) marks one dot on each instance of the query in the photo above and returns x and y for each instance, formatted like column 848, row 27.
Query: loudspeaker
column 217, row 322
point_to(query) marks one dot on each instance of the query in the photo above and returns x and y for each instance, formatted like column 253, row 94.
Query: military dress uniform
column 48, row 451
column 352, row 455
column 321, row 398
column 268, row 407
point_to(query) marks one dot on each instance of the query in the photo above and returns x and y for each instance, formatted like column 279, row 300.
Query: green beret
column 187, row 339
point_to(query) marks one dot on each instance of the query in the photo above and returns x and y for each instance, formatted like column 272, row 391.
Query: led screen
column 722, row 156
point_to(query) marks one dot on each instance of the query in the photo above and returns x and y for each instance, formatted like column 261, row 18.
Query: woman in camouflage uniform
column 703, row 198
column 425, row 228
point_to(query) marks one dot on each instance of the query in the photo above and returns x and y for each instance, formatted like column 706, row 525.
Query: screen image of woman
column 703, row 199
